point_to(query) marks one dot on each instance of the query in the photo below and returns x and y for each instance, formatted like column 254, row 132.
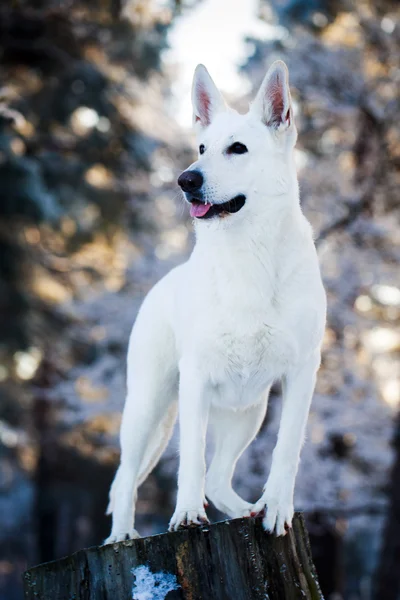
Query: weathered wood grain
column 231, row 560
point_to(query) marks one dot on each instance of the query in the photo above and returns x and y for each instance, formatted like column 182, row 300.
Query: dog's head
column 244, row 160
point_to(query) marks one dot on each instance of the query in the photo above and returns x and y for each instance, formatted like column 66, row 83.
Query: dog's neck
column 249, row 251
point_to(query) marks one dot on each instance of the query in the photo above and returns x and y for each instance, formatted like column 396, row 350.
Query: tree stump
column 230, row 560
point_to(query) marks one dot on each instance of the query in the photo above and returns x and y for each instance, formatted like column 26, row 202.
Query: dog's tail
column 156, row 446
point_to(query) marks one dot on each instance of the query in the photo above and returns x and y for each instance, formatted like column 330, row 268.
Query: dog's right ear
column 207, row 100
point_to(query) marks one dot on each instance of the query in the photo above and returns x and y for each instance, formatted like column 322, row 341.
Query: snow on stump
column 224, row 561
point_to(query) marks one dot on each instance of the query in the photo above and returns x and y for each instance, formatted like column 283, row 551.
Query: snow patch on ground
column 152, row 586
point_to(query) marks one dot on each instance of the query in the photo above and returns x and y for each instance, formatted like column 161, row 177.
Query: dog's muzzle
column 191, row 183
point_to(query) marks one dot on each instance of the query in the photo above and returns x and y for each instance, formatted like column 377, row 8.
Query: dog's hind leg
column 233, row 432
column 147, row 425
column 149, row 413
column 157, row 443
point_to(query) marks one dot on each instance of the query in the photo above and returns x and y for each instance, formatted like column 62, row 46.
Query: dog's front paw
column 121, row 537
column 182, row 519
column 277, row 513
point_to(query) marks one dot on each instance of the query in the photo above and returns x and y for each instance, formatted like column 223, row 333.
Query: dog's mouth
column 201, row 210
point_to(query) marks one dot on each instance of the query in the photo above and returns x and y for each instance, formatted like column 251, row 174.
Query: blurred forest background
column 90, row 217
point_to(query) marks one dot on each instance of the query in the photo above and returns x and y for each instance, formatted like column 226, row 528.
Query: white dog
column 248, row 308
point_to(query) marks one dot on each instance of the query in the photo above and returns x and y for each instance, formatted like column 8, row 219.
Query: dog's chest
column 239, row 335
column 245, row 355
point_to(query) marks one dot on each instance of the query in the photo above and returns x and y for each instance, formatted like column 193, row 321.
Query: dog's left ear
column 273, row 103
column 206, row 98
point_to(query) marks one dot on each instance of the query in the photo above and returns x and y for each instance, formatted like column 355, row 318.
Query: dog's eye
column 202, row 149
column 237, row 148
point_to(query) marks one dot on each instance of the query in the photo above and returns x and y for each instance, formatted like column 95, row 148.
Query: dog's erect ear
column 206, row 98
column 272, row 103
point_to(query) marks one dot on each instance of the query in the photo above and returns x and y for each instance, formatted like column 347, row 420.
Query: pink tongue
column 198, row 209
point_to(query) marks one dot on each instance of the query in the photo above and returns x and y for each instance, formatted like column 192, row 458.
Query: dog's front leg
column 277, row 499
column 193, row 419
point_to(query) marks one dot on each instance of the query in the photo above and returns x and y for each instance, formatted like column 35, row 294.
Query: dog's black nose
column 191, row 181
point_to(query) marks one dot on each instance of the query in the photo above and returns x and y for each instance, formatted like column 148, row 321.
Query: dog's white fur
column 248, row 308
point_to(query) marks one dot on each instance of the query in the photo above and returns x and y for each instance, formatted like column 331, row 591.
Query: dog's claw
column 188, row 520
column 258, row 513
column 277, row 516
column 122, row 537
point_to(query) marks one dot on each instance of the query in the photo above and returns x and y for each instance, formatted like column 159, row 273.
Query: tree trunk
column 231, row 560
column 388, row 576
